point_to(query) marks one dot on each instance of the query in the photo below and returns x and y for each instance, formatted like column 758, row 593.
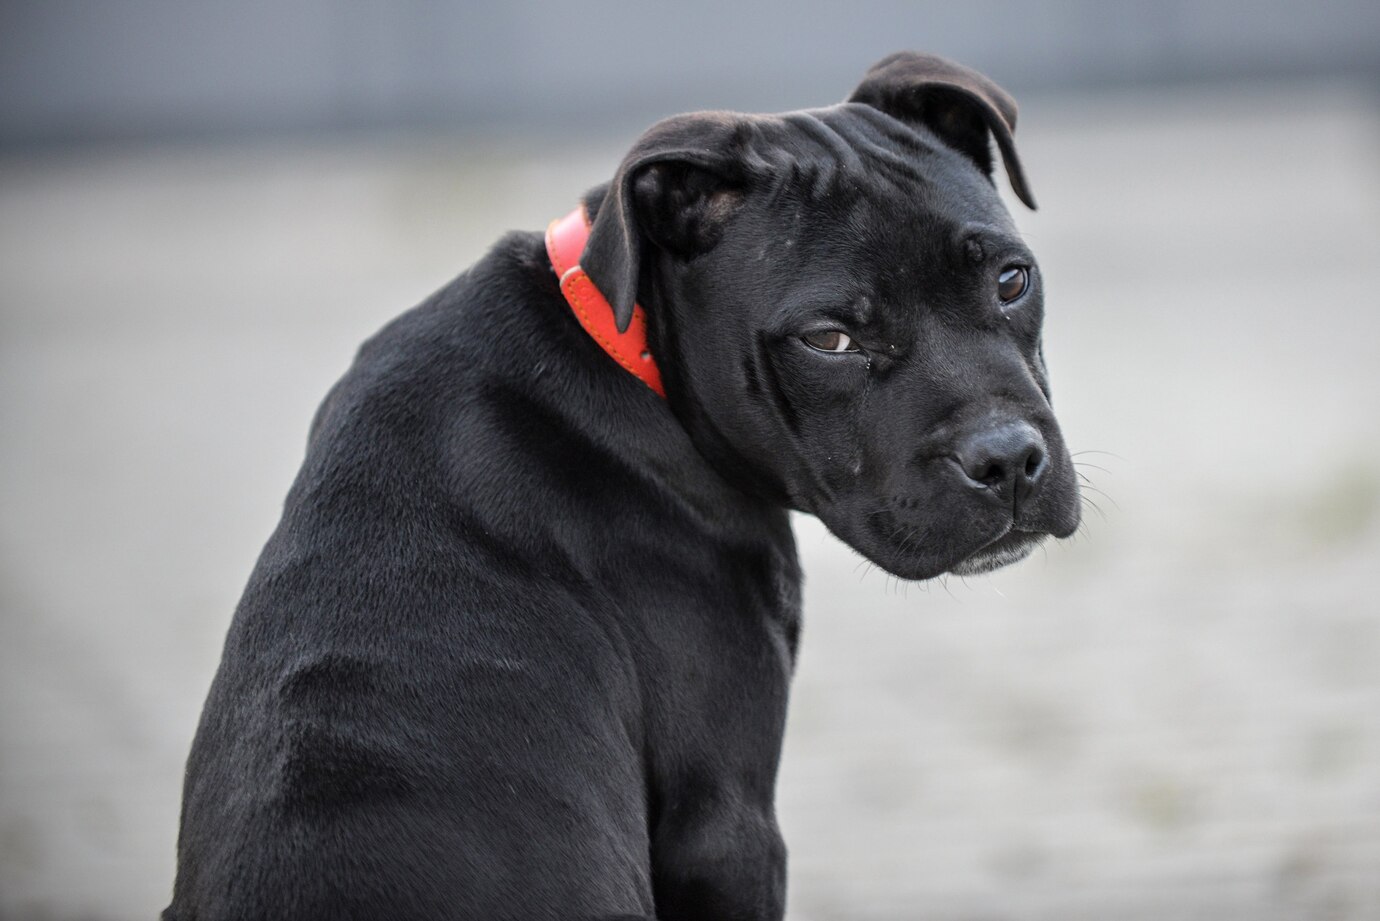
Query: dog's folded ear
column 676, row 189
column 956, row 103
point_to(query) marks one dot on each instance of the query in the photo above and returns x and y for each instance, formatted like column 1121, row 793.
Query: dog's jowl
column 520, row 645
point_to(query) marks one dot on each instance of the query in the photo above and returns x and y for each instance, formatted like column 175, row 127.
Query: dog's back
column 409, row 695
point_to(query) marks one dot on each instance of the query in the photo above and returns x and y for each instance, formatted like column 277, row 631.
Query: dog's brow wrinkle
column 825, row 136
column 888, row 149
column 856, row 145
column 833, row 157
column 883, row 130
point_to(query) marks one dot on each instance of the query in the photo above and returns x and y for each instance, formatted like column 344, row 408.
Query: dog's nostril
column 1005, row 457
column 992, row 475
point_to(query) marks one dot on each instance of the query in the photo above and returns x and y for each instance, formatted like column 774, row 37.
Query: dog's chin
column 963, row 554
column 1011, row 547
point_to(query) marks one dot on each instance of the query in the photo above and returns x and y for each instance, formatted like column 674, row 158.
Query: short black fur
column 521, row 644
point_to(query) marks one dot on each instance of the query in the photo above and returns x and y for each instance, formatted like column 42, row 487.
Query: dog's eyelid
column 991, row 244
column 1011, row 255
column 804, row 323
column 1019, row 256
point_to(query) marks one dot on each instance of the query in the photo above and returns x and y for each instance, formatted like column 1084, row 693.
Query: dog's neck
column 565, row 242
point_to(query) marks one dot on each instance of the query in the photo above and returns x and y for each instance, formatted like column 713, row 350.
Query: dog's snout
column 1009, row 459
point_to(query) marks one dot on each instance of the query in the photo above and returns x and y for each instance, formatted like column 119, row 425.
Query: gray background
column 204, row 209
column 80, row 69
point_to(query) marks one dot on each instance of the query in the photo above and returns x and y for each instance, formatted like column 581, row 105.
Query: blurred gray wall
column 78, row 71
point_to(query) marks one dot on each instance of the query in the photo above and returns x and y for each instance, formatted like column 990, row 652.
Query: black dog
column 520, row 647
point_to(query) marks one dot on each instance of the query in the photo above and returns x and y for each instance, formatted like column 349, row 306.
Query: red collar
column 565, row 242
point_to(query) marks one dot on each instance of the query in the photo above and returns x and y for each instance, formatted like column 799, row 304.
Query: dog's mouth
column 917, row 551
column 1011, row 547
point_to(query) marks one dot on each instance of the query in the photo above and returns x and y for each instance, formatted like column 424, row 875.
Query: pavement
column 1175, row 715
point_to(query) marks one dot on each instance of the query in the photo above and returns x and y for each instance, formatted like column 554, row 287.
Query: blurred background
column 204, row 208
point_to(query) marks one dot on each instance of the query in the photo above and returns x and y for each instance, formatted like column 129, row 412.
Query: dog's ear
column 676, row 189
column 958, row 104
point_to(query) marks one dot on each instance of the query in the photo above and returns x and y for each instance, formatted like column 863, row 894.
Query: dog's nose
column 1009, row 459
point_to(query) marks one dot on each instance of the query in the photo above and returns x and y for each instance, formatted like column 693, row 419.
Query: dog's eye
column 1012, row 282
column 831, row 340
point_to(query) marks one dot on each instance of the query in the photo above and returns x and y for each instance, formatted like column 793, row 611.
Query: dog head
column 846, row 319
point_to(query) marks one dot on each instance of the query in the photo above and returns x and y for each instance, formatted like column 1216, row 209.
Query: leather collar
column 565, row 242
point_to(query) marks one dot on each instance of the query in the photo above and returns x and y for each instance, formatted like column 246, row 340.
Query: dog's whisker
column 944, row 581
column 866, row 571
column 1095, row 507
column 1103, row 493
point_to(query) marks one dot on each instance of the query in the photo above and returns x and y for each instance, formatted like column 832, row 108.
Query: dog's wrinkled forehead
column 845, row 144
column 850, row 151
